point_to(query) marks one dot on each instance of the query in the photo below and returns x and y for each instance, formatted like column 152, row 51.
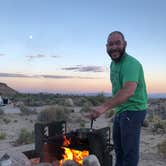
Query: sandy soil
column 149, row 155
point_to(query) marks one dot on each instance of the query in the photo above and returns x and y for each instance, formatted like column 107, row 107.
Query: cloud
column 55, row 56
column 30, row 57
column 67, row 77
column 44, row 76
column 85, row 68
column 38, row 56
column 2, row 54
column 13, row 75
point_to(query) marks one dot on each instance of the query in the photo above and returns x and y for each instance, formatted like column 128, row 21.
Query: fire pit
column 54, row 145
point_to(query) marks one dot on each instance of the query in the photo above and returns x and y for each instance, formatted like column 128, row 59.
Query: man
column 129, row 98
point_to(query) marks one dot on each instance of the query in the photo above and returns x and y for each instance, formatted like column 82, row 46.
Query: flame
column 76, row 155
column 66, row 141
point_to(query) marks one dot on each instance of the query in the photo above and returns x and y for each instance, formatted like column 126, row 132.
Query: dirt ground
column 149, row 155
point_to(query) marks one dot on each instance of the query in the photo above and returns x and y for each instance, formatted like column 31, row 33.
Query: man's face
column 116, row 46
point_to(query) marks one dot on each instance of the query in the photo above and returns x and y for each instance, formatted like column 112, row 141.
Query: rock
column 17, row 158
column 44, row 164
column 70, row 163
column 91, row 160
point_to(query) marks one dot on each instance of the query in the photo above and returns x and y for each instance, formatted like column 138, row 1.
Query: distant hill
column 6, row 90
column 157, row 95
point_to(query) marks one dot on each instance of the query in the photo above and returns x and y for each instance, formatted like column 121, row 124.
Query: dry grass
column 162, row 148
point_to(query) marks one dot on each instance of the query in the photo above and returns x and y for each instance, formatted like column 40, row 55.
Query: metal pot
column 82, row 133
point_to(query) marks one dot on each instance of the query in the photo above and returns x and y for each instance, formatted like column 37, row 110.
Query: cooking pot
column 82, row 133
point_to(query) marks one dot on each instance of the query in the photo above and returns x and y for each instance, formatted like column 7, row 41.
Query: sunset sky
column 59, row 45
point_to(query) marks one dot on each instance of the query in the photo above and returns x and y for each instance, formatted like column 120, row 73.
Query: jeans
column 126, row 137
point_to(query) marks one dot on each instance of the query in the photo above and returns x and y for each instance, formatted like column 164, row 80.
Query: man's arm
column 120, row 98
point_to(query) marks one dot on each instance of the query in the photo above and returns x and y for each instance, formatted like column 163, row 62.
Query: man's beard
column 121, row 53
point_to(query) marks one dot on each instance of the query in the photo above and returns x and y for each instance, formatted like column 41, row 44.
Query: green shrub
column 2, row 135
column 162, row 148
column 54, row 114
column 25, row 137
column 6, row 120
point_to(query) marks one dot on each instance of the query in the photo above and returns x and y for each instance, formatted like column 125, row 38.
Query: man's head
column 116, row 45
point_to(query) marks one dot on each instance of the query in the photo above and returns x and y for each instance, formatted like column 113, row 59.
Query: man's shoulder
column 131, row 59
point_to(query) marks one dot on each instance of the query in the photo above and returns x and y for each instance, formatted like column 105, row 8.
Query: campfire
column 54, row 145
column 72, row 154
column 76, row 155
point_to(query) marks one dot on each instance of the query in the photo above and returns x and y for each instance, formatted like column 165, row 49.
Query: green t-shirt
column 128, row 69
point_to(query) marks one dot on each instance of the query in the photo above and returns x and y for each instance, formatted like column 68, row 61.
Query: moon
column 30, row 36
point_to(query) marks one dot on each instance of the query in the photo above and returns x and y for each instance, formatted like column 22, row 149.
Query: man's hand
column 95, row 112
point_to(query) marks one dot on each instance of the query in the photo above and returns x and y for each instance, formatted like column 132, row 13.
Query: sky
column 58, row 46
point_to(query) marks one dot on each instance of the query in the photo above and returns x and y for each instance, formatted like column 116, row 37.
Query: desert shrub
column 15, row 121
column 87, row 104
column 162, row 148
column 145, row 123
column 6, row 120
column 25, row 137
column 60, row 101
column 96, row 100
column 53, row 114
column 24, row 110
column 153, row 118
column 159, row 126
column 68, row 102
column 79, row 101
column 100, row 97
column 1, row 111
column 2, row 135
column 109, row 113
column 82, row 123
column 85, row 109
column 27, row 111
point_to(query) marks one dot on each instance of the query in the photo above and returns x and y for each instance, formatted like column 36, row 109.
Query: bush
column 2, row 135
column 53, row 114
column 1, row 112
column 15, row 121
column 25, row 137
column 96, row 100
column 79, row 101
column 24, row 110
column 6, row 120
column 159, row 127
column 85, row 109
column 82, row 123
column 109, row 113
column 145, row 123
column 153, row 118
column 162, row 148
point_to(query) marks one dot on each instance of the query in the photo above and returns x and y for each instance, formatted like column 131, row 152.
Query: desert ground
column 149, row 155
